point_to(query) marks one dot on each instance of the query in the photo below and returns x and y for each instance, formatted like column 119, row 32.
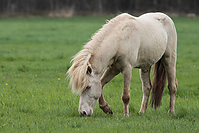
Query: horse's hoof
column 171, row 112
column 106, row 109
column 111, row 112
column 126, row 115
column 141, row 112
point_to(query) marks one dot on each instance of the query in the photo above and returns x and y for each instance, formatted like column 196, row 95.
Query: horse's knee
column 126, row 98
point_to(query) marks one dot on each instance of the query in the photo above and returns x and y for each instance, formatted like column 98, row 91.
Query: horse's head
column 91, row 93
column 84, row 81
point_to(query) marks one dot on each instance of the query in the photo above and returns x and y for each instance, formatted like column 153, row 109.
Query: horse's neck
column 102, row 58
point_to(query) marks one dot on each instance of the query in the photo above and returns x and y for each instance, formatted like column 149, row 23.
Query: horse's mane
column 80, row 62
column 77, row 72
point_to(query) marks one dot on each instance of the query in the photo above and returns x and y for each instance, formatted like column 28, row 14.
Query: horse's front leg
column 109, row 74
column 126, row 88
column 104, row 105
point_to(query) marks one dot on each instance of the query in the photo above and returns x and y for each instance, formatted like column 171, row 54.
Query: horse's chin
column 91, row 112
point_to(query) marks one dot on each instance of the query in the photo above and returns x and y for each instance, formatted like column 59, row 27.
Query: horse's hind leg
column 146, row 88
column 109, row 74
column 170, row 64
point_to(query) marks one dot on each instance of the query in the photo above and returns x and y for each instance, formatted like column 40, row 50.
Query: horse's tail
column 159, row 82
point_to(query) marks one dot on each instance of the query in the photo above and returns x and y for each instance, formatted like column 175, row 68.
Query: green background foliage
column 35, row 54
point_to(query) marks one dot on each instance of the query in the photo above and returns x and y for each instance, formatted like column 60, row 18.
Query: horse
column 123, row 43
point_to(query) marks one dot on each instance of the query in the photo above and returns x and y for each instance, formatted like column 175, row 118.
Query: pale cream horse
column 124, row 43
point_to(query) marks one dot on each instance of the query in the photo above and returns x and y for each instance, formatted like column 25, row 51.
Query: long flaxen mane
column 80, row 62
column 77, row 72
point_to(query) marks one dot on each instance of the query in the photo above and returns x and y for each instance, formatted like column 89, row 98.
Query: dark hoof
column 106, row 109
column 111, row 112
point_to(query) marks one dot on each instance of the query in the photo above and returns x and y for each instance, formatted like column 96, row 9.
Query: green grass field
column 35, row 54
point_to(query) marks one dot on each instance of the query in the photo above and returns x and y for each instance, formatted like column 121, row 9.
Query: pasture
column 35, row 54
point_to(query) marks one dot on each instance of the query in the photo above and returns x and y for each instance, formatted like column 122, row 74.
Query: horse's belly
column 149, row 54
column 146, row 62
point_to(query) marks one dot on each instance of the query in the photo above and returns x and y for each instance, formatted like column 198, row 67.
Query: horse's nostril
column 84, row 113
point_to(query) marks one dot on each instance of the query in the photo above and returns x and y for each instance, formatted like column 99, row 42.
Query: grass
column 35, row 54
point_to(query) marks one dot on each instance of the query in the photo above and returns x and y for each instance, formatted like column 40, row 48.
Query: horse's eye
column 88, row 87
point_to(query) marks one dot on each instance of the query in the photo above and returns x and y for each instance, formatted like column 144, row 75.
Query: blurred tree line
column 38, row 7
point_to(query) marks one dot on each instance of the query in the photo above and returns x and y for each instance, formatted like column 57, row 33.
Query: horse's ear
column 89, row 70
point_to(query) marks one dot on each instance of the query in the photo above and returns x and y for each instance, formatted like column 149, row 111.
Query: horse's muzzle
column 85, row 113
